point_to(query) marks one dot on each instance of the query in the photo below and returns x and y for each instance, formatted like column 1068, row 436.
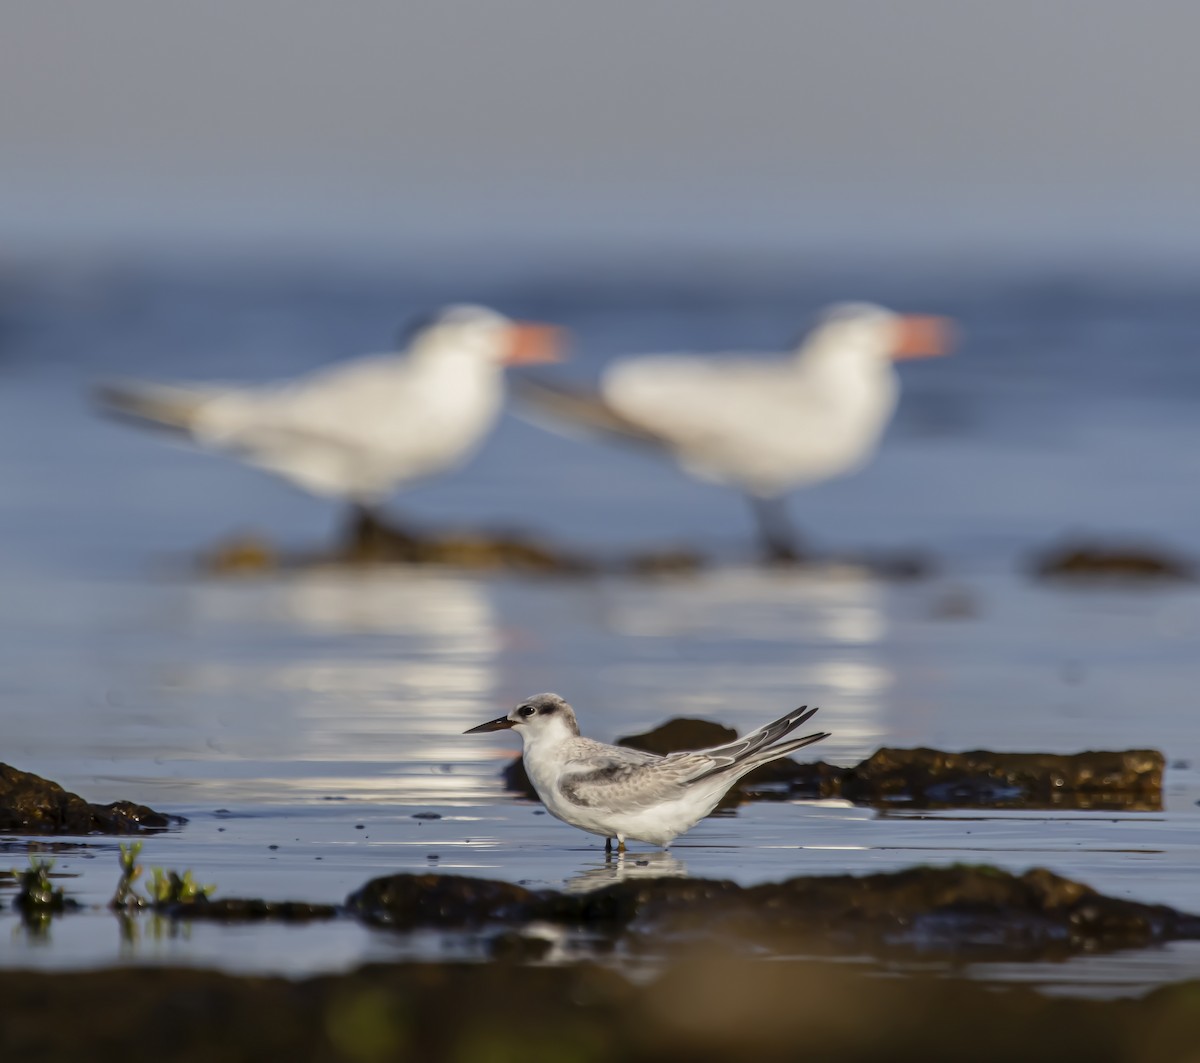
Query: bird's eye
column 526, row 710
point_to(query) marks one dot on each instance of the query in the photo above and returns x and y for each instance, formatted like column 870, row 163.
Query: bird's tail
column 158, row 405
column 765, row 756
column 741, row 748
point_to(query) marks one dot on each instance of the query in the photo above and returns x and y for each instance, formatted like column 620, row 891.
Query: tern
column 622, row 793
column 763, row 426
column 361, row 429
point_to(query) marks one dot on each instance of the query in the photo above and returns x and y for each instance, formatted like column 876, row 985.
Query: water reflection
column 622, row 867
column 355, row 683
column 741, row 644
column 755, row 604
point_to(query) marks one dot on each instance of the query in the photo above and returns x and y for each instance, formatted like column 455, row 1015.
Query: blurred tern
column 625, row 793
column 762, row 426
column 358, row 430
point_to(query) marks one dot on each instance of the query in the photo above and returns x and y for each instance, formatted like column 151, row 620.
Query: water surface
column 318, row 712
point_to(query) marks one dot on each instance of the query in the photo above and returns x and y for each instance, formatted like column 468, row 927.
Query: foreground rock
column 705, row 1010
column 30, row 804
column 954, row 910
column 923, row 778
column 1088, row 560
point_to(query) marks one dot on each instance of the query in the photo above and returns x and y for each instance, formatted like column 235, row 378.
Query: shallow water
column 288, row 711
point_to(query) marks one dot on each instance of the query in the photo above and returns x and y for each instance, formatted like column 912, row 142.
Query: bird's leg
column 620, row 843
column 371, row 538
column 608, row 845
column 364, row 533
column 775, row 530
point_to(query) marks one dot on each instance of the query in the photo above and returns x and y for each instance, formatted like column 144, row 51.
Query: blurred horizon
column 1047, row 131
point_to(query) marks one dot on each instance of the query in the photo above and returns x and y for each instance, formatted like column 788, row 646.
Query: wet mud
column 30, row 804
column 922, row 778
column 1086, row 560
column 711, row 1007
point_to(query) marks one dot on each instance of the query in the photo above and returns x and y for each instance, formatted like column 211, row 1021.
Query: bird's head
column 873, row 334
column 483, row 335
column 541, row 717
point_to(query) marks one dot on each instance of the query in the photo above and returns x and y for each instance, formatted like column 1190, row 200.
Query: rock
column 30, row 804
column 249, row 910
column 411, row 901
column 929, row 778
column 1085, row 560
column 145, row 817
column 947, row 910
column 516, row 779
column 678, row 734
column 369, row 541
column 242, row 555
column 928, row 910
column 786, row 779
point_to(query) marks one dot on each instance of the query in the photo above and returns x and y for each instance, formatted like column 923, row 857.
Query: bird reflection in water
column 622, row 867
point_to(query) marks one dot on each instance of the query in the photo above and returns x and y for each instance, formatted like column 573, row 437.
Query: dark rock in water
column 145, row 817
column 242, row 555
column 679, row 734
column 30, row 804
column 412, row 901
column 1088, row 560
column 516, row 779
column 252, row 910
column 929, row 778
column 787, row 779
column 381, row 544
column 955, row 909
column 925, row 909
column 367, row 540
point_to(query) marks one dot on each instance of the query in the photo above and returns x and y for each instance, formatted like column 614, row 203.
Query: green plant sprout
column 35, row 891
column 164, row 888
column 37, row 899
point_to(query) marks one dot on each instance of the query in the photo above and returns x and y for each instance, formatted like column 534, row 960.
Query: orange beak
column 922, row 336
column 530, row 344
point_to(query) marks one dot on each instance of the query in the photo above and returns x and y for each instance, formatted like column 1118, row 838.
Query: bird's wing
column 576, row 410
column 326, row 405
column 690, row 401
column 174, row 407
column 623, row 783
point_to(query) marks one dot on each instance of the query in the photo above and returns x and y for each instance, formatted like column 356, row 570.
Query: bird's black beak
column 498, row 724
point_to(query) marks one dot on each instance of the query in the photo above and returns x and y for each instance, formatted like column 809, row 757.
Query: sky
column 1049, row 126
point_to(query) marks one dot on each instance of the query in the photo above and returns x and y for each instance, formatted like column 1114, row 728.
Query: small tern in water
column 762, row 425
column 625, row 793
